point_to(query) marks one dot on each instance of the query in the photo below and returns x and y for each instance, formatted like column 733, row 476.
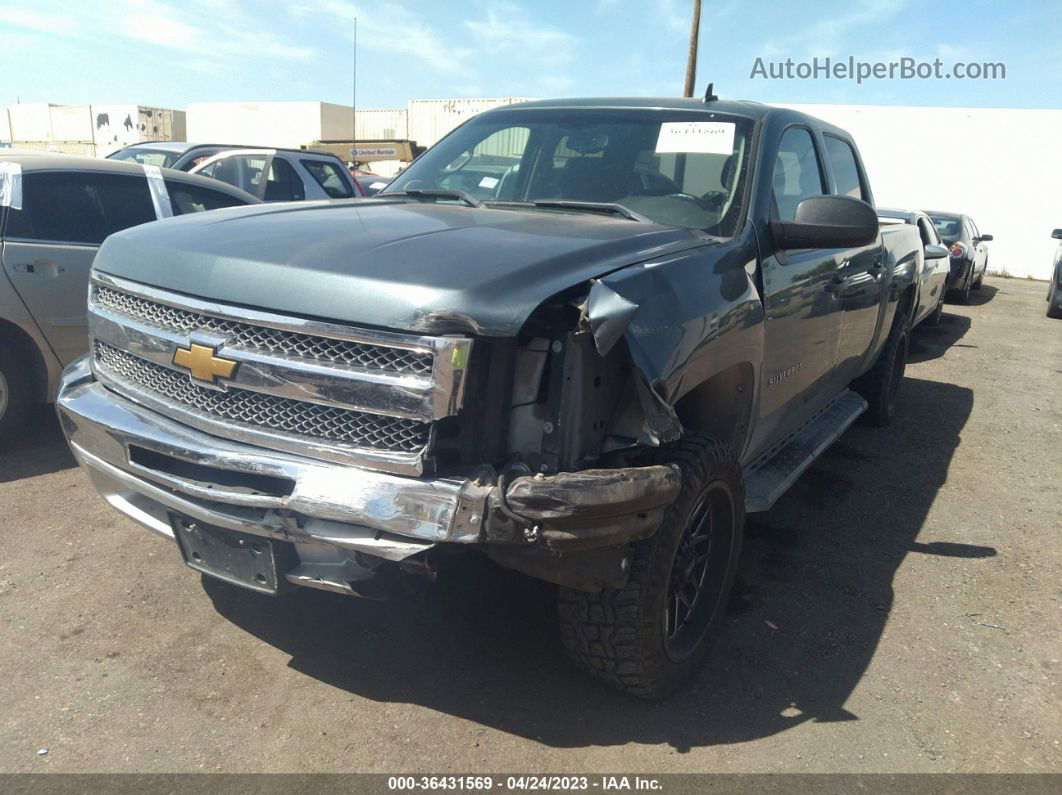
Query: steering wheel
column 714, row 199
column 689, row 197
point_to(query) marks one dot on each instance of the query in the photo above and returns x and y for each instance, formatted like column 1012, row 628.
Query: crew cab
column 584, row 337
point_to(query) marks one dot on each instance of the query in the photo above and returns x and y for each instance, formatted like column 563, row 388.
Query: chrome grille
column 263, row 338
column 295, row 417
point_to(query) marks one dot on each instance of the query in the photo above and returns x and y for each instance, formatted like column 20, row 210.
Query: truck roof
column 736, row 107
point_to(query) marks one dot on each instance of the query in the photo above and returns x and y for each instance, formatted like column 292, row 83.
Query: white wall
column 1002, row 167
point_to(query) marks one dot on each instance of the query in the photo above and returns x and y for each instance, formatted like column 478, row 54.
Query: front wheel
column 881, row 383
column 933, row 319
column 649, row 637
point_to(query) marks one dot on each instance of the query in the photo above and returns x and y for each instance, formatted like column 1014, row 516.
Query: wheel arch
column 26, row 348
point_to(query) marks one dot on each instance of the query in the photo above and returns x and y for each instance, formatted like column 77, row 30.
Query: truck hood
column 421, row 267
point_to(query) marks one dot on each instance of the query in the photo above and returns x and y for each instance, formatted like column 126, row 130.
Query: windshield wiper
column 592, row 207
column 436, row 193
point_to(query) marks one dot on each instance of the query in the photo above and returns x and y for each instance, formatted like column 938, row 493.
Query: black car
column 1054, row 289
column 179, row 155
column 969, row 254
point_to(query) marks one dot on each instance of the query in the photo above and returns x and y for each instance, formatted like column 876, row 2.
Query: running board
column 767, row 478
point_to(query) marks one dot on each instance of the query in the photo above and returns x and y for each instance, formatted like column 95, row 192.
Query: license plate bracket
column 242, row 559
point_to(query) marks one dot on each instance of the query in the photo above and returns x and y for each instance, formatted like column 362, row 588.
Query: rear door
column 50, row 243
column 861, row 269
column 802, row 331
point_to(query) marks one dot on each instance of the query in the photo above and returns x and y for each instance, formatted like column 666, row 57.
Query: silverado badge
column 203, row 364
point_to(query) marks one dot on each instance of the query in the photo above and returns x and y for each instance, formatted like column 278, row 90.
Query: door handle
column 23, row 268
column 835, row 283
column 876, row 269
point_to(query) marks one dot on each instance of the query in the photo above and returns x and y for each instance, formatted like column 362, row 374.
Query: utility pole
column 354, row 96
column 691, row 63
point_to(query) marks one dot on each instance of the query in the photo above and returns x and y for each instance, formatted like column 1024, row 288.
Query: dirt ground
column 914, row 576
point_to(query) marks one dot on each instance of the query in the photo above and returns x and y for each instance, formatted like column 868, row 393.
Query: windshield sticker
column 11, row 185
column 489, row 183
column 160, row 197
column 701, row 137
column 377, row 185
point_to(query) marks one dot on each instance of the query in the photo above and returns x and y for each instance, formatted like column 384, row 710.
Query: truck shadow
column 38, row 448
column 813, row 596
column 932, row 342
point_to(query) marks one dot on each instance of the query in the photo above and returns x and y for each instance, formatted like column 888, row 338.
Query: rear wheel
column 649, row 637
column 964, row 293
column 1054, row 302
column 16, row 392
column 933, row 318
column 880, row 385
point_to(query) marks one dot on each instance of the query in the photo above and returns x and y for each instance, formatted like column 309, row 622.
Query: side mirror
column 937, row 252
column 985, row 238
column 1057, row 234
column 828, row 222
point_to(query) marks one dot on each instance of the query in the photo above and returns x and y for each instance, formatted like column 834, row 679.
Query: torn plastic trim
column 11, row 185
column 594, row 507
column 160, row 195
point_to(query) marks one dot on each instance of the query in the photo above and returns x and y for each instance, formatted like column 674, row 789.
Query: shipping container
column 115, row 126
column 30, row 121
column 375, row 124
column 5, row 126
column 70, row 123
column 280, row 124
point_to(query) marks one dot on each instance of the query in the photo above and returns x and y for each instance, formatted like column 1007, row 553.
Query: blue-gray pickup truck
column 585, row 337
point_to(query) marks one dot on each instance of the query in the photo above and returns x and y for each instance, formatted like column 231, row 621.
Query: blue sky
column 171, row 52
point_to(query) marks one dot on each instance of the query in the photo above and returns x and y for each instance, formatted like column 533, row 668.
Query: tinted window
column 79, row 207
column 329, row 176
column 187, row 198
column 797, row 173
column 283, row 184
column 146, row 157
column 845, row 168
column 243, row 171
column 947, row 226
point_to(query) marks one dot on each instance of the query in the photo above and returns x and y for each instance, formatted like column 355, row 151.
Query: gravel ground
column 896, row 611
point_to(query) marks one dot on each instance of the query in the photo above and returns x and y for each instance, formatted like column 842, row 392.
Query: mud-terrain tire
column 635, row 638
column 881, row 383
column 16, row 392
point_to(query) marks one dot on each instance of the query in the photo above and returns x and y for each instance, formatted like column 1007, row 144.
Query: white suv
column 291, row 174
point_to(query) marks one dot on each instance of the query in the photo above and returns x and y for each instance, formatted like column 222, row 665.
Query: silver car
column 933, row 277
column 290, row 174
column 55, row 210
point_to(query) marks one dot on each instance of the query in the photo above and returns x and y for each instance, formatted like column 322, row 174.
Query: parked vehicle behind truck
column 50, row 228
column 931, row 282
column 584, row 337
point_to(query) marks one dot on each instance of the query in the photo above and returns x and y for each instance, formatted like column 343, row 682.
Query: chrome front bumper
column 330, row 512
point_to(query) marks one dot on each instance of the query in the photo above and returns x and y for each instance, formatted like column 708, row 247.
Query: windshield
column 670, row 167
column 146, row 157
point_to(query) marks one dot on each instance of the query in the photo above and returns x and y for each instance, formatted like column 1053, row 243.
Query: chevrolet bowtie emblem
column 203, row 364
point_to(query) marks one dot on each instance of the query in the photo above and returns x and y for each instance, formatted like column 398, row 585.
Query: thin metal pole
column 691, row 62
column 354, row 97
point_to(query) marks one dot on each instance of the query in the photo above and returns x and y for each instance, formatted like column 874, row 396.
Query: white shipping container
column 431, row 119
column 280, row 124
column 5, row 126
column 30, row 121
column 376, row 124
column 70, row 123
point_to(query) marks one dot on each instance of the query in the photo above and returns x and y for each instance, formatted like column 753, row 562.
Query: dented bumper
column 338, row 517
